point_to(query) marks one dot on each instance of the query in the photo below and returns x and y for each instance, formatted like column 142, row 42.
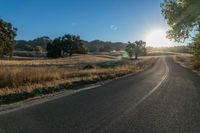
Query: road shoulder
column 185, row 61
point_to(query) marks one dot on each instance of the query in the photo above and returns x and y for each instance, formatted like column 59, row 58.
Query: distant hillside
column 178, row 49
column 93, row 46
column 23, row 45
column 101, row 46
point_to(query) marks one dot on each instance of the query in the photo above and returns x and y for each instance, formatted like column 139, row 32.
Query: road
column 163, row 99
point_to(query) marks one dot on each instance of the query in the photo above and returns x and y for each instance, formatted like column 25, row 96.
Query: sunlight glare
column 157, row 38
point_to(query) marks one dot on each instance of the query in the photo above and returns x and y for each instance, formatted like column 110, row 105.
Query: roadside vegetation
column 7, row 38
column 183, row 16
column 186, row 61
column 135, row 49
column 44, row 66
column 19, row 81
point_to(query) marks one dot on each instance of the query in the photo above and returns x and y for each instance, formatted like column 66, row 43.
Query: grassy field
column 29, row 78
column 74, row 60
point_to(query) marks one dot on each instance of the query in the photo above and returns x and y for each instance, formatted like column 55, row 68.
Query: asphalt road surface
column 163, row 99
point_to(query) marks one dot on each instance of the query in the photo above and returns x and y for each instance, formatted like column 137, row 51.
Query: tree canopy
column 66, row 45
column 7, row 38
column 136, row 48
column 182, row 16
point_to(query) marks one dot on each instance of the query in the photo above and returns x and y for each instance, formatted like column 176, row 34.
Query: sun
column 157, row 38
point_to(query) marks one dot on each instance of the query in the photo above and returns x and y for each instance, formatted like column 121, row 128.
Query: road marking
column 164, row 77
column 22, row 105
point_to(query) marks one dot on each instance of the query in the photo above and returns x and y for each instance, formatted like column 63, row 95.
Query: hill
column 93, row 46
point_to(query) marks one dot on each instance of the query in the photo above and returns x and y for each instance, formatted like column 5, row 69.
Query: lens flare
column 157, row 38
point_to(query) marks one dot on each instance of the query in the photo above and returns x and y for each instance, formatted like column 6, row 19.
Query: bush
column 196, row 64
column 28, row 47
column 196, row 51
column 38, row 49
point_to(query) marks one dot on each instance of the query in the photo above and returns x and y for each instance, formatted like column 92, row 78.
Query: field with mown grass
column 22, row 79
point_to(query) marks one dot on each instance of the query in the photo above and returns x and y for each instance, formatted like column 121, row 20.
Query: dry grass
column 20, row 76
column 83, row 59
column 185, row 60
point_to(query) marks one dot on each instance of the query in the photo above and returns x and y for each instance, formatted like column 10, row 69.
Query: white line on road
column 164, row 77
column 22, row 105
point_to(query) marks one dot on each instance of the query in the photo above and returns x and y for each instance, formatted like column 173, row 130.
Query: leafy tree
column 38, row 49
column 130, row 49
column 82, row 49
column 70, row 43
column 136, row 48
column 183, row 16
column 7, row 38
column 41, row 41
column 106, row 48
column 54, row 49
column 196, row 51
column 66, row 46
column 50, row 52
column 28, row 47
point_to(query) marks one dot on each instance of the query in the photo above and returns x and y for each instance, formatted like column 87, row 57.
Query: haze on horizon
column 113, row 20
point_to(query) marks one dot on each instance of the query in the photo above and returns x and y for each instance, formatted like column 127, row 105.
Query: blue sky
column 109, row 20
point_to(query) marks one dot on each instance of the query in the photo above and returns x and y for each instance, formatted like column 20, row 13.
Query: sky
column 108, row 20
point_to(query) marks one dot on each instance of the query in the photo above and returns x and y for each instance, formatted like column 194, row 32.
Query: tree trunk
column 70, row 53
column 136, row 56
column 199, row 27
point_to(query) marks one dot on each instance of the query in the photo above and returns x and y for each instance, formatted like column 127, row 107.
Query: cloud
column 113, row 27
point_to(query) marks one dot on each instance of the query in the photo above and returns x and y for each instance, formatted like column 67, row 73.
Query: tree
column 136, row 48
column 196, row 51
column 38, row 49
column 71, row 44
column 7, row 38
column 54, row 49
column 82, row 49
column 66, row 46
column 130, row 49
column 40, row 41
column 183, row 16
column 28, row 47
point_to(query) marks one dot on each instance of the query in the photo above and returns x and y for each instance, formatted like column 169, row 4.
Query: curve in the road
column 165, row 98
